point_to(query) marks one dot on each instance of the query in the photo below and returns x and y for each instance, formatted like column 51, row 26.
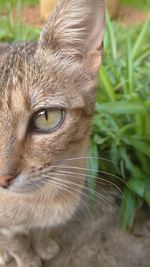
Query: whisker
column 67, row 190
column 83, row 187
column 88, row 170
column 100, row 158
column 68, row 173
column 92, row 170
column 103, row 182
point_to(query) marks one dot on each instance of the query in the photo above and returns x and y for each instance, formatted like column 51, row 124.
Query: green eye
column 48, row 120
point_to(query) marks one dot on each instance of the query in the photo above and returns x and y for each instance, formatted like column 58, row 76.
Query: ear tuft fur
column 76, row 28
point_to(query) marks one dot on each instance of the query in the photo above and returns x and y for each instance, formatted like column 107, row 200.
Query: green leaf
column 112, row 38
column 144, row 162
column 93, row 166
column 108, row 88
column 147, row 196
column 141, row 146
column 134, row 170
column 121, row 107
column 130, row 72
column 130, row 204
column 139, row 42
column 145, row 53
column 137, row 185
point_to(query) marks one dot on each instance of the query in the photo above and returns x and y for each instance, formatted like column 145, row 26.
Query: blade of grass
column 140, row 39
column 130, row 203
column 103, row 76
column 129, row 65
column 121, row 107
column 112, row 38
column 140, row 146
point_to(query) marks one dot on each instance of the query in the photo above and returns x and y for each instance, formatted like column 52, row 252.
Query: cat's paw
column 11, row 263
column 36, row 262
column 47, row 250
column 33, row 263
column 5, row 258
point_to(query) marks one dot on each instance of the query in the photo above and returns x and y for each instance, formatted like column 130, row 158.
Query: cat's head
column 47, row 98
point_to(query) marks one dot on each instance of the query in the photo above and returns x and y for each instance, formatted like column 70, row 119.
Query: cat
column 47, row 100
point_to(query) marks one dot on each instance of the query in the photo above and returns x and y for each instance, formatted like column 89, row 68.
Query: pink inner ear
column 96, row 34
column 94, row 62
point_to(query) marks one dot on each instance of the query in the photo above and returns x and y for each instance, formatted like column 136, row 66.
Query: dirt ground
column 96, row 241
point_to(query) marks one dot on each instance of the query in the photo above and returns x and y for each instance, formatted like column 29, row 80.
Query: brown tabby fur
column 58, row 71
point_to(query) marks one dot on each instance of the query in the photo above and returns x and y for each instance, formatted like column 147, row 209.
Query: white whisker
column 67, row 187
column 83, row 187
column 92, row 176
column 100, row 158
column 92, row 170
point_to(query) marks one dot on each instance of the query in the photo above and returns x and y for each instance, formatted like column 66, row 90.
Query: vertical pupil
column 46, row 115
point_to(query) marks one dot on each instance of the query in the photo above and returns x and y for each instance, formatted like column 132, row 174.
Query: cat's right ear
column 76, row 29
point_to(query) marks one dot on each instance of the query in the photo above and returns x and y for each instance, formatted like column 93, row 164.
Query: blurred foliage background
column 144, row 4
column 120, row 141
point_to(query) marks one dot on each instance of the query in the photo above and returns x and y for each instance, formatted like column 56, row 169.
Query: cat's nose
column 5, row 180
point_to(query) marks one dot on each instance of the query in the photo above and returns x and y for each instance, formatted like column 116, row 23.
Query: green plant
column 145, row 4
column 4, row 4
column 12, row 29
column 121, row 128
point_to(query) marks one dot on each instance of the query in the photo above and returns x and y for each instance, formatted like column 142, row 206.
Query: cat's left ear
column 76, row 29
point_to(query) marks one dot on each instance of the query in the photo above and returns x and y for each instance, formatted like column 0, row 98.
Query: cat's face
column 47, row 96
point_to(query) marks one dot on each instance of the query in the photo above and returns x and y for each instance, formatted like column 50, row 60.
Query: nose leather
column 5, row 180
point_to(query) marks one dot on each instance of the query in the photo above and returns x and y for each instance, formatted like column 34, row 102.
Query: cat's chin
column 21, row 190
column 22, row 184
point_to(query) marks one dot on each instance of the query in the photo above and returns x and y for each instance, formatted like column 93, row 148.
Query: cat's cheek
column 59, row 212
column 65, row 211
column 55, row 213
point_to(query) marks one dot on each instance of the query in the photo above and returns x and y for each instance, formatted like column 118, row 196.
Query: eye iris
column 47, row 120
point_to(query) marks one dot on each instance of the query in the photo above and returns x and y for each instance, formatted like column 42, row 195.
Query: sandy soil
column 130, row 15
column 97, row 241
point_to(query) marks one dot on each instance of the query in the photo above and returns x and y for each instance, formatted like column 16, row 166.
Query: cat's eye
column 47, row 120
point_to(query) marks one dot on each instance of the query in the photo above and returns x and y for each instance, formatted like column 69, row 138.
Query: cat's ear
column 76, row 28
